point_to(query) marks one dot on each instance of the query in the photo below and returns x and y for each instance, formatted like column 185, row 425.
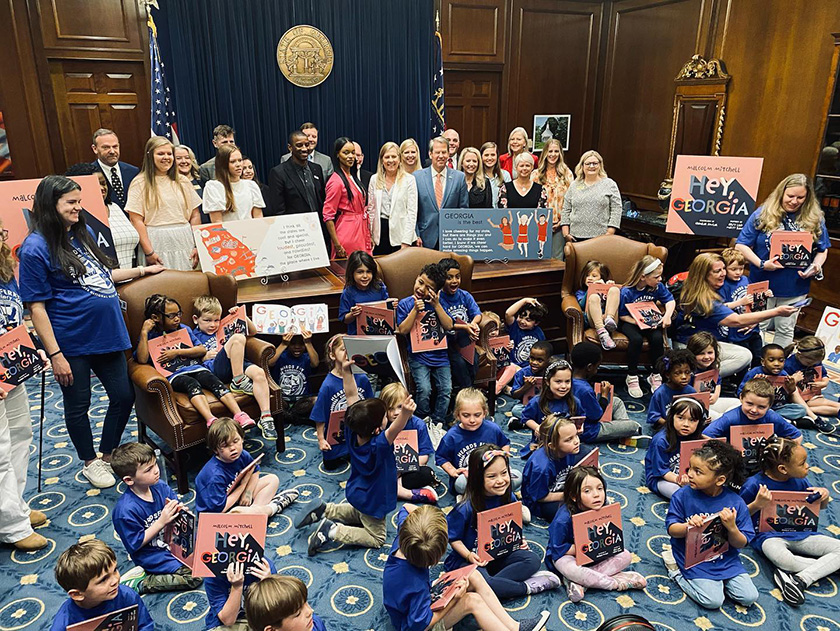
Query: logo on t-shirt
column 463, row 455
column 523, row 350
column 338, row 401
column 458, row 312
column 96, row 279
column 11, row 309
column 293, row 380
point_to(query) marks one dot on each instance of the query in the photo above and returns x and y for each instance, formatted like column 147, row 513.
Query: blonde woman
column 229, row 197
column 162, row 205
column 791, row 206
column 410, row 155
column 517, row 143
column 492, row 171
column 555, row 177
column 392, row 203
column 592, row 205
column 479, row 192
column 188, row 166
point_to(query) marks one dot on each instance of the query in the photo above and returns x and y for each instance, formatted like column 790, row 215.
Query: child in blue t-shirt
column 529, row 379
column 676, row 368
column 599, row 311
column 189, row 376
column 88, row 572
column 291, row 366
column 804, row 361
column 466, row 316
column 522, row 321
column 372, row 487
column 664, row 474
column 361, row 284
column 431, row 366
column 733, row 293
column 801, row 558
column 331, row 399
column 141, row 514
column 556, row 397
column 224, row 593
column 712, row 469
column 280, row 603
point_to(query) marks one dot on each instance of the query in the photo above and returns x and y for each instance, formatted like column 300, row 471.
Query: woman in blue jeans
column 67, row 282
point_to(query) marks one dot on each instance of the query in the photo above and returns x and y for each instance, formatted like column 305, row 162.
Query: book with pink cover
column 427, row 334
column 578, row 421
column 706, row 381
column 646, row 314
column 169, row 341
column 224, row 537
column 793, row 248
column 705, row 543
column 406, row 451
column 778, row 383
column 498, row 344
column 444, row 588
column 807, row 387
column 179, row 536
column 607, row 416
column 468, row 351
column 600, row 289
column 748, row 439
column 758, row 291
column 375, row 318
column 499, row 531
column 335, row 427
column 589, row 460
column 244, row 473
column 19, row 360
column 533, row 390
column 705, row 398
column 233, row 323
column 790, row 511
column 120, row 620
column 688, row 447
column 598, row 534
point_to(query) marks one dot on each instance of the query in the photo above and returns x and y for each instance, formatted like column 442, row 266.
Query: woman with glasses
column 592, row 205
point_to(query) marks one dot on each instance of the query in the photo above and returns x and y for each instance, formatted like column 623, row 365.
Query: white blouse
column 246, row 197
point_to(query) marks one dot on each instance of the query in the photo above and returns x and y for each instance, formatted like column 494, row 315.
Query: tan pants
column 370, row 535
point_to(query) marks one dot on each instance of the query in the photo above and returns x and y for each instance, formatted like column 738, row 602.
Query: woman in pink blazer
column 345, row 214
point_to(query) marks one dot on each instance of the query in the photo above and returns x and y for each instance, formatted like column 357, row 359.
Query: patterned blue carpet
column 346, row 584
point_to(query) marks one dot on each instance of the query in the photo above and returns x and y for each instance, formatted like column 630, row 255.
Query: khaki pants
column 182, row 579
column 370, row 535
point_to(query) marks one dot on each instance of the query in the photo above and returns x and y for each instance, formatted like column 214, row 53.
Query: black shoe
column 320, row 537
column 824, row 425
column 792, row 587
column 536, row 623
column 312, row 513
column 516, row 424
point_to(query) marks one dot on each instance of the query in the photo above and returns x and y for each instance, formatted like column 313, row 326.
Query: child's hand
column 323, row 445
column 233, row 310
column 460, row 588
column 746, row 300
column 790, row 384
column 683, row 480
column 666, row 322
column 262, row 570
column 236, row 574
column 530, row 380
column 727, row 516
column 762, row 498
column 154, row 269
column 434, row 298
column 419, row 304
column 606, row 389
column 287, row 338
column 211, row 354
column 798, row 376
column 768, row 293
column 462, row 471
column 148, row 326
column 408, row 407
column 695, row 521
column 306, row 334
column 246, row 499
column 510, row 345
column 344, row 365
column 824, row 495
column 355, row 310
column 473, row 558
column 169, row 355
column 474, row 331
column 169, row 511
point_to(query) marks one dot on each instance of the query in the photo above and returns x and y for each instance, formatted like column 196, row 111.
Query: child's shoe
column 574, row 591
column 515, row 424
column 824, row 425
column 542, row 582
column 633, row 387
column 36, row 518
column 791, row 586
column 425, row 495
column 242, row 385
column 211, row 420
column 670, row 561
column 536, row 623
column 629, row 580
column 609, row 324
column 267, row 429
column 320, row 537
column 313, row 512
column 134, row 578
column 607, row 343
column 284, row 499
column 244, row 420
column 654, row 381
column 526, row 515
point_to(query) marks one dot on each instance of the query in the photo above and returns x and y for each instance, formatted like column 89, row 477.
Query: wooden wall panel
column 473, row 30
column 472, row 105
column 69, row 27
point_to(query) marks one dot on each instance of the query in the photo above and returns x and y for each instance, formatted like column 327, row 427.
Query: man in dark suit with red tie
column 106, row 148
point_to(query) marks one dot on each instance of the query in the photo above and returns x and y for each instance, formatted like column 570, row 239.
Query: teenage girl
column 685, row 421
column 599, row 311
column 585, row 490
column 644, row 285
column 676, row 368
column 704, row 346
column 412, row 486
column 545, row 473
column 801, row 558
column 515, row 574
column 555, row 398
column 712, row 468
column 331, row 398
column 361, row 284
column 163, row 315
column 803, row 357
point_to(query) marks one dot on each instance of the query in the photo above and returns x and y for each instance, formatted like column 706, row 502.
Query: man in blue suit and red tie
column 106, row 148
column 437, row 187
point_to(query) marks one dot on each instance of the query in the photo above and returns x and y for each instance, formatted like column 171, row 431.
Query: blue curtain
column 221, row 61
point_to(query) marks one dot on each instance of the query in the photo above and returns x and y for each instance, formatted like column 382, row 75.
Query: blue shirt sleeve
column 657, row 459
column 518, row 380
column 749, row 233
column 472, row 306
column 656, row 408
column 145, row 622
column 458, row 522
column 424, row 443
column 781, row 427
column 384, row 291
column 532, row 411
column 404, row 307
column 676, row 511
column 34, row 270
column 500, row 438
column 718, row 428
column 743, row 519
column 823, row 242
column 446, row 449
column 345, row 303
column 663, row 295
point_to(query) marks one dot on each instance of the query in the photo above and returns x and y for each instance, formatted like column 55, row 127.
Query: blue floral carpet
column 345, row 585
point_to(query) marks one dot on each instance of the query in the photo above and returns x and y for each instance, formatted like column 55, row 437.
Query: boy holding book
column 756, row 400
column 466, row 316
column 734, row 295
column 524, row 380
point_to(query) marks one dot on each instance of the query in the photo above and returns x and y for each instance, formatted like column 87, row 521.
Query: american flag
column 438, row 110
column 163, row 106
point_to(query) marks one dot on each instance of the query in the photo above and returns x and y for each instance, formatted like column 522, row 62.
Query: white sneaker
column 98, row 473
column 669, row 560
column 526, row 515
column 654, row 381
column 633, row 387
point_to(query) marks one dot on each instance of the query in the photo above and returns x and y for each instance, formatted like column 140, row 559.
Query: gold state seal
column 305, row 56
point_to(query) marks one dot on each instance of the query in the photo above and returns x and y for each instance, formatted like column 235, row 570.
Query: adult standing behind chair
column 106, row 147
column 592, row 205
column 437, row 187
column 321, row 159
column 791, row 206
column 392, row 203
column 522, row 192
column 229, row 197
column 454, row 139
column 517, row 144
column 222, row 135
column 162, row 206
column 187, row 166
column 410, row 155
column 555, row 177
column 480, row 193
column 496, row 174
column 345, row 206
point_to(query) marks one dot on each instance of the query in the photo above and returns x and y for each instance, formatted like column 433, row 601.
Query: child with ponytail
column 545, row 472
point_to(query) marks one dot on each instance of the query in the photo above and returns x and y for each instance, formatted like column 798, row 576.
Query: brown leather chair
column 619, row 254
column 169, row 414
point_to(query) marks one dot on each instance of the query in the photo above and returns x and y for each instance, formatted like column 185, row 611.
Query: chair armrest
column 145, row 376
column 574, row 315
column 259, row 351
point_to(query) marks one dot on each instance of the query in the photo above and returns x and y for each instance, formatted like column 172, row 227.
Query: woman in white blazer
column 392, row 203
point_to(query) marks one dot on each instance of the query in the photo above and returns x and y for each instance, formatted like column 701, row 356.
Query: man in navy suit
column 437, row 187
column 106, row 148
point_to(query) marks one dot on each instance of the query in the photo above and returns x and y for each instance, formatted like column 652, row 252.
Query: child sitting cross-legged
column 140, row 515
column 676, row 367
column 525, row 379
column 280, row 603
column 804, row 357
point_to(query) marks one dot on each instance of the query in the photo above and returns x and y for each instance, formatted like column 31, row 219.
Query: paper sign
column 598, row 534
column 497, row 233
column 533, row 390
column 646, row 314
column 705, row 543
column 688, row 447
column 335, row 427
column 176, row 339
column 499, row 531
column 179, row 536
column 427, row 334
column 748, row 439
column 234, row 323
column 406, row 451
column 444, row 588
column 280, row 319
column 18, row 358
column 590, row 459
column 758, row 291
column 706, row 381
column 793, row 249
column 713, row 196
column 119, row 620
column 223, row 538
column 790, row 511
column 807, row 387
column 243, row 475
column 376, row 318
column 828, row 331
column 607, row 416
column 375, row 355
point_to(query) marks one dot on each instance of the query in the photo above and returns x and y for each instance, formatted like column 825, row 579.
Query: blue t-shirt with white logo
column 331, row 398
column 352, row 296
column 459, row 306
column 522, row 342
column 659, row 293
column 11, row 306
column 292, row 374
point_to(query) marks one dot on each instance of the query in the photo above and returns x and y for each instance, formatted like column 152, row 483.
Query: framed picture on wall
column 548, row 126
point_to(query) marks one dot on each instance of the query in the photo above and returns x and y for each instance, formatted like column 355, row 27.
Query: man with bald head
column 454, row 145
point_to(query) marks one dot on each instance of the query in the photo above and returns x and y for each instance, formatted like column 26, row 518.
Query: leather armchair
column 619, row 254
column 169, row 414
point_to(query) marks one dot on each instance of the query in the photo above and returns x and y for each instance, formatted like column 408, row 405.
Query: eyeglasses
column 4, row 234
column 172, row 316
column 487, row 456
column 591, row 164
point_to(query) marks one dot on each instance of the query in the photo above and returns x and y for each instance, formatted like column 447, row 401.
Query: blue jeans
column 463, row 372
column 423, row 376
column 112, row 370
column 710, row 593
column 506, row 576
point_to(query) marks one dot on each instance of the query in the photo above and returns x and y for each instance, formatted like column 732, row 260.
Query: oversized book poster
column 335, row 427
column 224, row 537
column 598, row 534
column 807, row 386
column 176, row 340
column 375, row 355
column 533, row 390
column 828, row 331
column 758, row 291
column 232, row 324
column 706, row 381
column 748, row 439
column 790, row 511
column 500, row 347
column 18, row 358
column 280, row 319
column 499, row 531
column 688, row 447
column 406, row 451
column 496, row 233
column 427, row 334
column 607, row 416
column 646, row 314
column 120, row 620
column 705, row 543
column 376, row 318
column 590, row 459
column 243, row 474
column 599, row 289
column 444, row 588
column 713, row 196
column 793, row 248
column 179, row 536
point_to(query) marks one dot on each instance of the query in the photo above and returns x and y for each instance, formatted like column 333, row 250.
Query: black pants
column 635, row 339
column 384, row 246
column 194, row 383
column 418, row 479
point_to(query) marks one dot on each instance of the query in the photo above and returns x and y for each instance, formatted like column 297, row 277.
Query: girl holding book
column 599, row 311
column 556, row 397
column 804, row 360
column 361, row 284
column 704, row 345
column 801, row 558
column 664, row 473
column 676, row 368
column 514, row 574
column 712, row 469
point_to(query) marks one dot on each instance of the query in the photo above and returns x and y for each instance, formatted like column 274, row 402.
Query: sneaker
column 792, row 587
column 641, row 441
column 313, row 512
column 629, row 580
column 633, row 387
column 242, row 385
column 98, row 473
column 37, row 518
column 515, row 424
column 526, row 515
column 535, row 624
column 244, row 420
column 425, row 495
column 133, row 578
column 575, row 592
column 284, row 499
column 609, row 324
column 542, row 582
column 654, row 381
column 607, row 342
column 212, row 420
column 320, row 537
column 670, row 561
column 267, row 429
column 824, row 425
column 31, row 543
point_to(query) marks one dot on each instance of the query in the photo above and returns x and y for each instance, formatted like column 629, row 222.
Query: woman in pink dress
column 345, row 213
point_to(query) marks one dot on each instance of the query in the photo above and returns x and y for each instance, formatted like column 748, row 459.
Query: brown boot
column 31, row 543
column 37, row 518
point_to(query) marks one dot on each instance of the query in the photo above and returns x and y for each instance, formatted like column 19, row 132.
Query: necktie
column 116, row 183
column 439, row 189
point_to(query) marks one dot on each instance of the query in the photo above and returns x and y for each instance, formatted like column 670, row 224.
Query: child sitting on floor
column 291, row 367
column 529, row 379
column 281, row 603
